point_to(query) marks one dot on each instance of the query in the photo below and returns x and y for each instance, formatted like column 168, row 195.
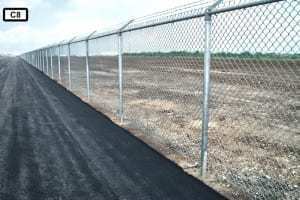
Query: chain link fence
column 253, row 135
column 213, row 85
column 103, row 63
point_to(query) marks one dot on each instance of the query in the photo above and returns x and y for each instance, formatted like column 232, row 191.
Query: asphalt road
column 54, row 146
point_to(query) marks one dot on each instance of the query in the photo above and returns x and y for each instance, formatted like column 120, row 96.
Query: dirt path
column 54, row 146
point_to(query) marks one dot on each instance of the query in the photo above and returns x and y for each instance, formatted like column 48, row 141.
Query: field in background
column 253, row 132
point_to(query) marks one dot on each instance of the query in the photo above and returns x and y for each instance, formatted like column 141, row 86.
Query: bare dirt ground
column 53, row 146
column 253, row 131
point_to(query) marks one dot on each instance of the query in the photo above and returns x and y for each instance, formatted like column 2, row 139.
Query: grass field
column 254, row 136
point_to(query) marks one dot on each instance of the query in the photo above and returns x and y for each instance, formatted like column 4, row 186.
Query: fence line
column 153, row 56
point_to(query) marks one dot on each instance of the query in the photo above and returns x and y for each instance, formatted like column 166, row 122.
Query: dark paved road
column 54, row 146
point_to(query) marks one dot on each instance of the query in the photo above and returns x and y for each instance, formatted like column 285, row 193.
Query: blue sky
column 54, row 20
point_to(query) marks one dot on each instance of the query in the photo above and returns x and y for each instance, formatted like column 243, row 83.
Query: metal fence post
column 69, row 66
column 87, row 69
column 120, row 70
column 38, row 60
column 35, row 59
column 43, row 61
column 206, row 90
column 47, row 61
column 51, row 61
column 58, row 59
column 87, row 64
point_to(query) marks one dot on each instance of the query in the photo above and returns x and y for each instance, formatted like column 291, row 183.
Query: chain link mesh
column 78, row 69
column 253, row 137
column 103, row 63
column 253, row 130
column 162, row 87
column 55, row 63
column 64, row 73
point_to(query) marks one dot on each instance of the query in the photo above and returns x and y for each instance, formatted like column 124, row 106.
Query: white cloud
column 19, row 38
column 53, row 21
column 20, row 3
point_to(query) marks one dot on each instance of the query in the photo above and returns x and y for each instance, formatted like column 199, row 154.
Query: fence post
column 35, row 61
column 44, row 58
column 120, row 75
column 43, row 61
column 120, row 69
column 87, row 64
column 51, row 61
column 58, row 59
column 206, row 90
column 47, row 61
column 87, row 69
column 69, row 66
column 38, row 60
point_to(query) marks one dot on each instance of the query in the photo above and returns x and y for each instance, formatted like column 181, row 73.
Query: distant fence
column 213, row 85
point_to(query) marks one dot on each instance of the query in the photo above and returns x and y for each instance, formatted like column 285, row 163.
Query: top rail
column 202, row 14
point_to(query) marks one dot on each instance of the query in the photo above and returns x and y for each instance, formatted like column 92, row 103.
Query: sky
column 55, row 20
column 272, row 28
